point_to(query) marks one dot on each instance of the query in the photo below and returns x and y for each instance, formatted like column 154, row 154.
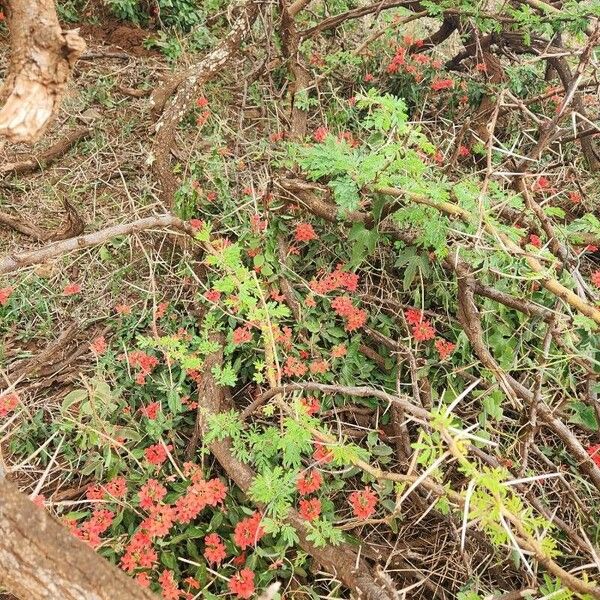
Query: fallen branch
column 55, row 151
column 12, row 262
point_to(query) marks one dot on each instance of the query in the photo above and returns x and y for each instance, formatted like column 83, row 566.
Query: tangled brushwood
column 300, row 300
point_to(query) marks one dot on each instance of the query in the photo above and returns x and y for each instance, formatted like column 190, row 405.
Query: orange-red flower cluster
column 242, row 584
column 336, row 280
column 355, row 317
column 5, row 294
column 215, row 550
column 310, row 509
column 8, row 402
column 363, row 503
column 248, row 531
column 144, row 362
column 309, row 482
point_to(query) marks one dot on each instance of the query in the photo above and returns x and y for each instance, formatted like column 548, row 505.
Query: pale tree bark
column 42, row 59
column 40, row 560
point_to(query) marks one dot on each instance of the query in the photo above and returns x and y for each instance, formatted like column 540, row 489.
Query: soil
column 128, row 38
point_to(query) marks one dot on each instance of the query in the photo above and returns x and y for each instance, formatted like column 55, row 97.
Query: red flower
column 309, row 482
column 248, row 531
column 310, row 509
column 575, row 197
column 320, row 134
column 543, row 183
column 311, row 404
column 117, row 487
column 594, row 452
column 596, row 278
column 242, row 584
column 144, row 362
column 423, row 331
column 71, row 289
column 8, row 402
column 319, row 366
column 444, row 348
column 196, row 223
column 335, row 280
column 159, row 521
column 5, row 294
column 535, row 240
column 305, row 232
column 363, row 503
column 339, row 351
column 212, row 295
column 369, row 77
column 98, row 345
column 202, row 102
column 463, row 151
column 241, row 335
column 215, row 550
column 294, row 368
column 151, row 493
column 143, row 580
column 157, row 454
column 161, row 309
column 481, row 67
column 168, row 585
column 322, row 454
column 123, row 309
column 151, row 410
column 413, row 316
column 442, row 84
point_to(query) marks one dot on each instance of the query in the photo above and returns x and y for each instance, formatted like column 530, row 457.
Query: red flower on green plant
column 168, row 585
column 423, row 331
column 310, row 509
column 363, row 503
column 304, row 232
column 214, row 551
column 535, row 240
column 242, row 584
column 241, row 335
column 311, row 405
column 320, row 134
column 5, row 294
column 309, row 482
column 442, row 84
column 322, row 454
column 212, row 295
column 8, row 402
column 248, row 531
column 157, row 454
column 151, row 493
column 444, row 348
column 98, row 346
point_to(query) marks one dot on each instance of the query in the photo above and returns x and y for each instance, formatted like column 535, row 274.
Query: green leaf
column 345, row 194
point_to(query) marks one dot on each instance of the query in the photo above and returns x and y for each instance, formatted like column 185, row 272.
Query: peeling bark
column 42, row 59
column 40, row 560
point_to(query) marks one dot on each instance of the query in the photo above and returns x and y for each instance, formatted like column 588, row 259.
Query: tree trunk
column 40, row 560
column 42, row 58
